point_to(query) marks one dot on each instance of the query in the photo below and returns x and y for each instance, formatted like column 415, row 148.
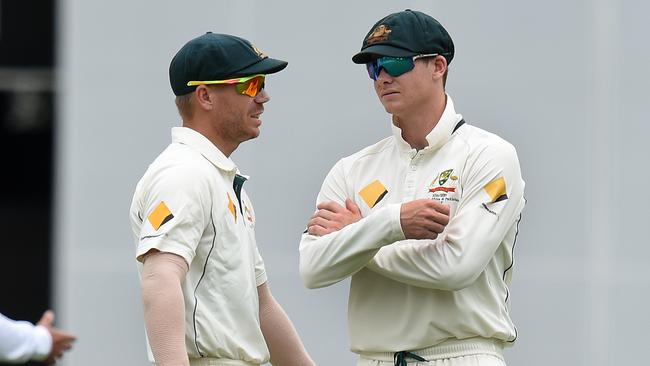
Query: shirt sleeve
column 491, row 203
column 325, row 260
column 21, row 341
column 175, row 211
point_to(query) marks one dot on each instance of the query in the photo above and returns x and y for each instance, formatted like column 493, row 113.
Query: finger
column 436, row 205
column 47, row 319
column 424, row 233
column 434, row 216
column 436, row 228
column 68, row 337
column 444, row 209
column 317, row 230
column 319, row 221
column 325, row 214
column 440, row 218
column 353, row 207
column 330, row 206
column 429, row 226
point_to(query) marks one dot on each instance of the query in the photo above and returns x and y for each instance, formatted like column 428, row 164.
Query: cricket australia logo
column 443, row 185
column 379, row 34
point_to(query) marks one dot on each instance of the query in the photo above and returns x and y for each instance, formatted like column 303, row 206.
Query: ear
column 439, row 67
column 204, row 99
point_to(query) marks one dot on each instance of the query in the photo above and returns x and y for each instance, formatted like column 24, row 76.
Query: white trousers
column 472, row 360
column 218, row 362
column 467, row 352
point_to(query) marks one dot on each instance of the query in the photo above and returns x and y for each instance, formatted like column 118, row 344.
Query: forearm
column 455, row 259
column 328, row 259
column 21, row 341
column 164, row 308
column 281, row 337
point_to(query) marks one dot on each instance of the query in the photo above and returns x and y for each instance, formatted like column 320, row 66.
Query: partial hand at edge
column 61, row 341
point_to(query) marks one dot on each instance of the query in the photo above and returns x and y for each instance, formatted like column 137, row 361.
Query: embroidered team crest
column 379, row 34
column 437, row 185
column 373, row 193
column 160, row 215
column 258, row 51
column 444, row 176
column 231, row 207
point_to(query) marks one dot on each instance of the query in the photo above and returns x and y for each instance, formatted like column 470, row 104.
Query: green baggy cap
column 404, row 34
column 214, row 56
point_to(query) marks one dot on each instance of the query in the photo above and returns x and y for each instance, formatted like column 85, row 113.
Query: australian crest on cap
column 379, row 34
column 258, row 51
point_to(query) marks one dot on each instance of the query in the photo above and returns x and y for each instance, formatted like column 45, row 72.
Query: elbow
column 310, row 277
column 313, row 272
column 459, row 279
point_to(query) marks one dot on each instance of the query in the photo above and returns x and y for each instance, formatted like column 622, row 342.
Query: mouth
column 388, row 93
column 257, row 115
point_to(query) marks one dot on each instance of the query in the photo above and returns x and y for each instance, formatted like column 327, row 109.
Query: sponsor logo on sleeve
column 496, row 189
column 160, row 216
column 373, row 193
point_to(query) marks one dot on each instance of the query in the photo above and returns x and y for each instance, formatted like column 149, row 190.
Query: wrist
column 42, row 343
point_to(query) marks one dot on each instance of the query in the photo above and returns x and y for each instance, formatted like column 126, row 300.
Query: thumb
column 351, row 206
column 47, row 319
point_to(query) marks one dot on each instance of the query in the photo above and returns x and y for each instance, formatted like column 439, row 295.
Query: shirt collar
column 439, row 135
column 200, row 143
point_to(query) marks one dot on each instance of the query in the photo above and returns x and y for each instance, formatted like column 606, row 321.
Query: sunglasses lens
column 394, row 66
column 251, row 87
column 398, row 66
column 373, row 70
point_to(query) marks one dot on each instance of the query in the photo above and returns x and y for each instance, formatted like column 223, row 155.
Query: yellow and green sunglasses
column 248, row 85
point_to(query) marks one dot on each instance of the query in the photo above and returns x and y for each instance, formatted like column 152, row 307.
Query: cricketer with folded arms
column 425, row 221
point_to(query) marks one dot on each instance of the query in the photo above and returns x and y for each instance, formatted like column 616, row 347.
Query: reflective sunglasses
column 394, row 66
column 249, row 85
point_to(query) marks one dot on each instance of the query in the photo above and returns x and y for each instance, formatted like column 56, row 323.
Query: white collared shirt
column 186, row 204
column 414, row 294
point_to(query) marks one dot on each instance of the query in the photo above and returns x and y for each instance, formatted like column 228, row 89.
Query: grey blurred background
column 566, row 82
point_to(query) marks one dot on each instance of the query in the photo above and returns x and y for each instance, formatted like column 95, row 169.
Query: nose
column 383, row 76
column 262, row 97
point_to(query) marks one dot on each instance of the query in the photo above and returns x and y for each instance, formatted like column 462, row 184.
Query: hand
column 331, row 217
column 61, row 341
column 423, row 218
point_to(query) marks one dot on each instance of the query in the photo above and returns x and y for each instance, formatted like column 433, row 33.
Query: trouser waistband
column 447, row 349
column 206, row 361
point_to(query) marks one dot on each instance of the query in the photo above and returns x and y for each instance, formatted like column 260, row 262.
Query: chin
column 391, row 108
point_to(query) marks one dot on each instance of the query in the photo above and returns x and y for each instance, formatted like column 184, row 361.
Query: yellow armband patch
column 496, row 189
column 373, row 193
column 160, row 215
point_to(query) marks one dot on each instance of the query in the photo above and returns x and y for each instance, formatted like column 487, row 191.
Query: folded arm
column 460, row 254
column 339, row 242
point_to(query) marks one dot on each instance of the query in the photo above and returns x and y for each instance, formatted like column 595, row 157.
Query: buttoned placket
column 408, row 193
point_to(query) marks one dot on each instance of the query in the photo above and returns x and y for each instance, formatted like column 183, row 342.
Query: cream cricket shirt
column 187, row 204
column 413, row 294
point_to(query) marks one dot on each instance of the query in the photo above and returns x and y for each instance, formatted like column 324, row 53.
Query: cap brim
column 265, row 66
column 380, row 50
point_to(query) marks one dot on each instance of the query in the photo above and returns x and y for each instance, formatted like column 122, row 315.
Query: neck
column 217, row 140
column 417, row 124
